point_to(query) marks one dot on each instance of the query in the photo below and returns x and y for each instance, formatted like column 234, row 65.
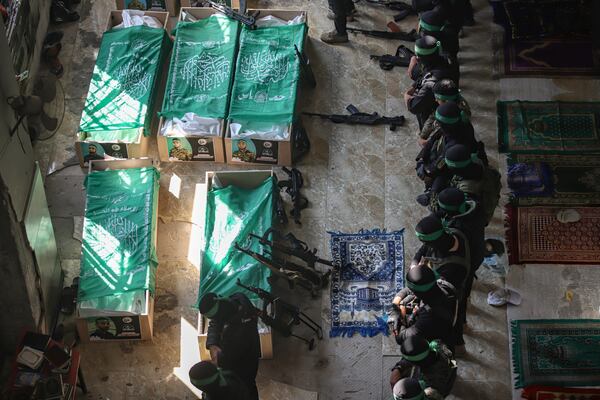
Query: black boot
column 60, row 13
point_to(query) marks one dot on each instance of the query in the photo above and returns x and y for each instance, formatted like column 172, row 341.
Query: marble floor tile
column 355, row 177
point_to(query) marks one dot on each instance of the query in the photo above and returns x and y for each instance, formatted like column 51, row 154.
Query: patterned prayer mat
column 536, row 236
column 536, row 179
column 368, row 273
column 559, row 393
column 556, row 352
column 564, row 57
column 546, row 127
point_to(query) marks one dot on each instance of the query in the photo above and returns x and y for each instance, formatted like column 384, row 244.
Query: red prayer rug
column 559, row 393
column 536, row 236
column 550, row 56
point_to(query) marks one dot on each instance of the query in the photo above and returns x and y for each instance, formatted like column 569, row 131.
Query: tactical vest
column 437, row 263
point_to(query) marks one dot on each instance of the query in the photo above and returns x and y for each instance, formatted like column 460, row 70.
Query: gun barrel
column 316, row 114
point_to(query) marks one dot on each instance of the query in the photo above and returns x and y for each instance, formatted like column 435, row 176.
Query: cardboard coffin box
column 203, row 148
column 119, row 150
column 249, row 180
column 172, row 6
column 235, row 4
column 126, row 326
column 257, row 151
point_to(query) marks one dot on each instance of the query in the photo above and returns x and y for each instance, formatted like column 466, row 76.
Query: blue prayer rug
column 368, row 271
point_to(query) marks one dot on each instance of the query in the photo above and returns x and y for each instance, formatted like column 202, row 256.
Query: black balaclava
column 449, row 117
column 423, row 283
column 446, row 90
column 459, row 160
column 207, row 377
column 431, row 231
column 418, row 351
column 219, row 308
column 423, row 5
column 408, row 389
column 452, row 201
column 432, row 22
column 427, row 49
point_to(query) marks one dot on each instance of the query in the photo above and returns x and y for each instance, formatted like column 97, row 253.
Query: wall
column 20, row 296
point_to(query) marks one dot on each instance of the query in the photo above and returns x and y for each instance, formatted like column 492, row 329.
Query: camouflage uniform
column 438, row 377
column 431, row 124
column 181, row 154
column 244, row 155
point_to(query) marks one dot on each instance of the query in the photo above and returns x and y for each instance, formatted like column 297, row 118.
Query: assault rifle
column 310, row 279
column 401, row 59
column 292, row 246
column 400, row 314
column 358, row 118
column 280, row 210
column 292, row 187
column 282, row 316
column 246, row 19
column 307, row 71
column 391, row 4
column 406, row 36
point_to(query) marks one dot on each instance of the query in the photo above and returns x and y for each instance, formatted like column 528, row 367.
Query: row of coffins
column 229, row 92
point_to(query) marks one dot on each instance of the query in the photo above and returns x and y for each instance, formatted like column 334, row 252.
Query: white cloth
column 271, row 20
column 191, row 125
column 137, row 18
column 500, row 297
column 273, row 132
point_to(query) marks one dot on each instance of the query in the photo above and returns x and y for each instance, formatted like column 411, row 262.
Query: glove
column 421, row 173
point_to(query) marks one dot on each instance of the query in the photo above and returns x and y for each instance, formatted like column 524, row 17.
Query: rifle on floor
column 282, row 316
column 358, row 118
column 307, row 71
column 291, row 246
column 401, row 59
column 392, row 5
column 246, row 19
column 406, row 36
column 292, row 187
column 310, row 279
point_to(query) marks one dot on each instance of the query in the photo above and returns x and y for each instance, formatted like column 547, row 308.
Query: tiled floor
column 356, row 177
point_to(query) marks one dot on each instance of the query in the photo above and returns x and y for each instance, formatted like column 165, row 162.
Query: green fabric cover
column 128, row 302
column 556, row 352
column 118, row 253
column 231, row 214
column 124, row 83
column 548, row 127
column 201, row 69
column 267, row 74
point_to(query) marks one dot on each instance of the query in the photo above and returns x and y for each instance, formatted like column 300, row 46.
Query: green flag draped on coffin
column 267, row 74
column 123, row 88
column 118, row 253
column 201, row 68
column 231, row 214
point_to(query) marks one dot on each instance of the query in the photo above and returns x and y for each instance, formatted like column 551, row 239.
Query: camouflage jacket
column 244, row 155
column 180, row 154
column 431, row 125
column 439, row 377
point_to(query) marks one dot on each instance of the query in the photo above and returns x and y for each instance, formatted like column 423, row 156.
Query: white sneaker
column 568, row 215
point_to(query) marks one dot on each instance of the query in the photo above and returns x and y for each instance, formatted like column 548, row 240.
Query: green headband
column 461, row 208
column 461, row 164
column 419, row 288
column 433, row 346
column 213, row 310
column 420, row 51
column 446, row 97
column 446, row 120
column 430, row 237
column 429, row 27
column 206, row 381
column 420, row 396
